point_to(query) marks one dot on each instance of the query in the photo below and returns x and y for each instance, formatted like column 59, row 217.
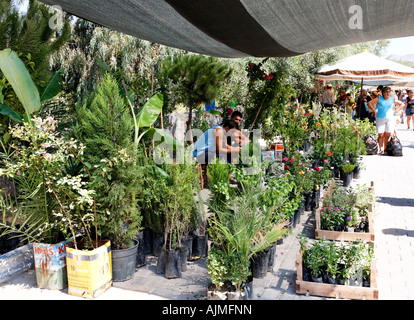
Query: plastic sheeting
column 240, row 28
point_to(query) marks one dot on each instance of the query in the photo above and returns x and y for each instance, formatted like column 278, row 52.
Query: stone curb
column 16, row 261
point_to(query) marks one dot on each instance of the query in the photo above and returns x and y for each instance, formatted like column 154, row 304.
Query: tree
column 94, row 50
column 197, row 78
column 31, row 37
column 106, row 129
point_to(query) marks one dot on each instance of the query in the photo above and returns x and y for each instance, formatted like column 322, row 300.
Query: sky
column 401, row 46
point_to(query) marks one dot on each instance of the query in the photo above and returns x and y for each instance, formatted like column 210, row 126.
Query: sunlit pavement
column 393, row 218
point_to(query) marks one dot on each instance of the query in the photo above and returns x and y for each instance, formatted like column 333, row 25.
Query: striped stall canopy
column 242, row 28
column 368, row 66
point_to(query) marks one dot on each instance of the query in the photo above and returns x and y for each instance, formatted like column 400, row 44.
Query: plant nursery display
column 86, row 181
column 343, row 265
column 347, row 209
column 239, row 231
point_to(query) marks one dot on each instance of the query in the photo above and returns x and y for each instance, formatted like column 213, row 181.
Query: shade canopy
column 369, row 67
column 242, row 28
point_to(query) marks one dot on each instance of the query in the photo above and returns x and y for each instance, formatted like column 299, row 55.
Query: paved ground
column 394, row 218
column 394, row 249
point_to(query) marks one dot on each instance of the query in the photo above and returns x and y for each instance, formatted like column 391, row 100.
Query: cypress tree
column 105, row 127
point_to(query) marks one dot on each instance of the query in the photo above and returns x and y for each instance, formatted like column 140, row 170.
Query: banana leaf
column 16, row 73
column 53, row 88
column 150, row 112
column 7, row 110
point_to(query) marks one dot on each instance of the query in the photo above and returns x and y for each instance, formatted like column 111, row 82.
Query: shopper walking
column 385, row 120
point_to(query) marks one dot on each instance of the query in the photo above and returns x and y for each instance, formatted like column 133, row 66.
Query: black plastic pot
column 306, row 276
column 147, row 238
column 318, row 279
column 366, row 283
column 357, row 172
column 123, row 263
column 336, row 172
column 310, row 203
column 260, row 264
column 245, row 292
column 157, row 243
column 331, row 279
column 173, row 264
column 347, row 178
column 141, row 257
column 187, row 242
column 272, row 258
column 200, row 246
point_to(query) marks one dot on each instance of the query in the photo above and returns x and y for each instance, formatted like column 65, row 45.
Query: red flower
column 229, row 111
column 329, row 153
column 317, row 169
column 286, row 168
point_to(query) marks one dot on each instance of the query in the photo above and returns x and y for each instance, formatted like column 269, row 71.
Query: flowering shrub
column 39, row 164
column 345, row 208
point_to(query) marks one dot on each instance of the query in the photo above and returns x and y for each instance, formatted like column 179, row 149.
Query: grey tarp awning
column 240, row 28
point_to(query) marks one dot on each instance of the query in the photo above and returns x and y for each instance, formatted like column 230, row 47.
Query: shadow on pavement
column 401, row 202
column 398, row 232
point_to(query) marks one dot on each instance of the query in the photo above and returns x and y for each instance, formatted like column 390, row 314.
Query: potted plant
column 336, row 263
column 37, row 163
column 180, row 215
column 332, row 265
column 347, row 170
column 242, row 231
column 228, row 273
column 39, row 167
column 106, row 127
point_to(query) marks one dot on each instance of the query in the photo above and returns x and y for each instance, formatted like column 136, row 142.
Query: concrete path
column 393, row 179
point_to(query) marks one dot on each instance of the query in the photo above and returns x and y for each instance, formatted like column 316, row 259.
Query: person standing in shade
column 409, row 109
column 342, row 101
column 384, row 117
column 361, row 112
column 328, row 98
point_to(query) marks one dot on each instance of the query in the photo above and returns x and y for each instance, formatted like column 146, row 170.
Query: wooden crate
column 342, row 235
column 336, row 291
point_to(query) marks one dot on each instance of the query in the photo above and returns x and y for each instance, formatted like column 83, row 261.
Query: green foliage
column 18, row 76
column 218, row 182
column 55, row 200
column 34, row 42
column 13, row 221
column 342, row 260
column 223, row 267
column 348, row 167
column 29, row 34
column 167, row 200
column 267, row 96
column 105, row 127
column 197, row 79
column 242, row 229
column 346, row 207
column 179, row 204
column 276, row 197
